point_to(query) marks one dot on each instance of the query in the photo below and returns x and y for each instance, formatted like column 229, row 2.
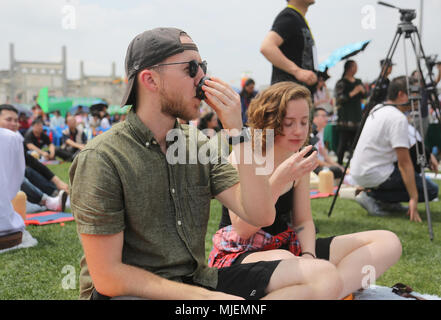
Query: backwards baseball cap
column 148, row 49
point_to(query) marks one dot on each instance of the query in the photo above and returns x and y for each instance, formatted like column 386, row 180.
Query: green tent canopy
column 63, row 104
column 117, row 109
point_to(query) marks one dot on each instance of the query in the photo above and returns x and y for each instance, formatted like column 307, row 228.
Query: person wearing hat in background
column 381, row 93
column 290, row 46
column 142, row 220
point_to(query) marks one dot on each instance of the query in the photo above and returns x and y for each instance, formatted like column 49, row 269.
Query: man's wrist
column 235, row 136
column 233, row 132
column 295, row 70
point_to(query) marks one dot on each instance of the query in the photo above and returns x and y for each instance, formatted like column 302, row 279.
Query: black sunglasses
column 193, row 66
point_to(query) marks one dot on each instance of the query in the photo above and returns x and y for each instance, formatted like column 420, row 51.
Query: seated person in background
column 74, row 140
column 208, row 124
column 324, row 160
column 36, row 139
column 23, row 124
column 115, row 118
column 94, row 120
column 105, row 120
column 57, row 120
column 12, row 167
column 382, row 163
column 37, row 112
column 36, row 196
column 37, row 173
column 310, row 263
column 322, row 98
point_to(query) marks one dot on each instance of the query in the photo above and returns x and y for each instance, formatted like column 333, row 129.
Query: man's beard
column 174, row 106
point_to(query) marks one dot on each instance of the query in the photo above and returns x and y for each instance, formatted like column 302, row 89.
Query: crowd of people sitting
column 47, row 138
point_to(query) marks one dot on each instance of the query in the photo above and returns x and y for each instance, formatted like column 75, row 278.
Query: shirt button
column 173, row 190
column 179, row 222
column 147, row 144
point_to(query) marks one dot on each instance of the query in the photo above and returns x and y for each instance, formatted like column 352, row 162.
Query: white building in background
column 24, row 79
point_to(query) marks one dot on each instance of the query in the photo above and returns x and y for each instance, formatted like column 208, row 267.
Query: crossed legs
column 300, row 278
column 357, row 254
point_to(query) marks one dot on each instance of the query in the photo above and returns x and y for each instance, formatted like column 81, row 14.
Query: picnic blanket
column 314, row 194
column 52, row 162
column 384, row 293
column 48, row 217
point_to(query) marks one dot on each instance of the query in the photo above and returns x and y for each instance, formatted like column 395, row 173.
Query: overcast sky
column 228, row 32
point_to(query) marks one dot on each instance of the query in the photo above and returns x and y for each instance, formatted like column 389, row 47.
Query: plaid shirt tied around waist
column 228, row 246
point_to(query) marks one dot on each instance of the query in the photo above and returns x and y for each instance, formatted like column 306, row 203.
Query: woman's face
column 295, row 126
column 354, row 68
column 250, row 88
column 212, row 124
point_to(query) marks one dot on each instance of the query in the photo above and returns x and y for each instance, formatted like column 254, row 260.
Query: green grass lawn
column 41, row 272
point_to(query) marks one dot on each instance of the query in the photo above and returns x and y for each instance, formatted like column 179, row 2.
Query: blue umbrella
column 342, row 53
column 74, row 109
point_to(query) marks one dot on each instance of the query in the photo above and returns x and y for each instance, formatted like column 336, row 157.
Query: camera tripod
column 408, row 29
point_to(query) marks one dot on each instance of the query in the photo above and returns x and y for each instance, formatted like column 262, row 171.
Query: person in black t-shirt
column 35, row 139
column 290, row 46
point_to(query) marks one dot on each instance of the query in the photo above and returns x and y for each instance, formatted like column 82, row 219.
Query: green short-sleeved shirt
column 122, row 181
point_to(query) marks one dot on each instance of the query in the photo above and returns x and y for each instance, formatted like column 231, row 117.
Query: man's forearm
column 33, row 147
column 278, row 59
column 126, row 280
column 74, row 144
column 408, row 175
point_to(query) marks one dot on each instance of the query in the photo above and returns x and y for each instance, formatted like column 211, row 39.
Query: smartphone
column 310, row 152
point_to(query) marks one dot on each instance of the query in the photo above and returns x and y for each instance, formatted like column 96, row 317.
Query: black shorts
column 248, row 280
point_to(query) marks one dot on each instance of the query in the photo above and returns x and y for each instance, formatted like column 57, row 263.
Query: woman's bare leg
column 357, row 255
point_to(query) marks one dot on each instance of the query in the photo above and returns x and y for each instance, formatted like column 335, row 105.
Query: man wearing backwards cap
column 142, row 221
